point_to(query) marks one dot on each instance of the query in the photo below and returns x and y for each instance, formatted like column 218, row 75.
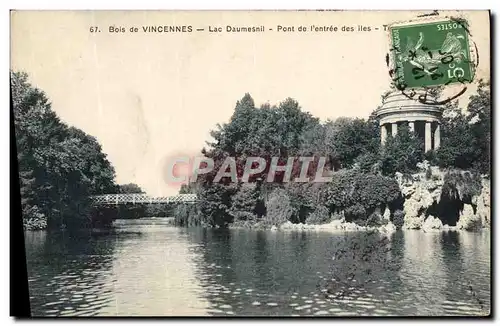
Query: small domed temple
column 423, row 119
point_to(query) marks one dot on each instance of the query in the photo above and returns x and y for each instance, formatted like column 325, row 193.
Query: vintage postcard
column 253, row 163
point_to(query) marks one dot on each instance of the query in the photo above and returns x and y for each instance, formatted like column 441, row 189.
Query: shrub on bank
column 187, row 215
column 359, row 195
column 214, row 203
column 356, row 214
column 461, row 185
column 279, row 208
column 320, row 215
column 401, row 153
column 158, row 210
column 244, row 203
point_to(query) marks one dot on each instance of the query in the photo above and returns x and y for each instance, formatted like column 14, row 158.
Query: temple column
column 383, row 134
column 437, row 137
column 428, row 136
column 411, row 126
column 394, row 129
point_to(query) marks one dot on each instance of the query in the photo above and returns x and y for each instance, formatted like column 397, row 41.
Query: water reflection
column 153, row 275
column 277, row 273
column 155, row 269
column 423, row 275
column 67, row 273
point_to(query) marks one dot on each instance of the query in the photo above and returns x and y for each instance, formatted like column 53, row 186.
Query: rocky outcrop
column 432, row 223
column 423, row 193
column 446, row 227
column 420, row 191
column 413, row 222
column 483, row 208
column 337, row 225
column 468, row 220
column 387, row 214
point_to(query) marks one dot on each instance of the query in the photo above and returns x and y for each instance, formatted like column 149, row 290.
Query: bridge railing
column 142, row 199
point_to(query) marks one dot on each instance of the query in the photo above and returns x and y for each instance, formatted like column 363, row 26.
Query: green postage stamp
column 431, row 53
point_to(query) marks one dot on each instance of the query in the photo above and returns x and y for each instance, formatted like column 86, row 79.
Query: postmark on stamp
column 431, row 53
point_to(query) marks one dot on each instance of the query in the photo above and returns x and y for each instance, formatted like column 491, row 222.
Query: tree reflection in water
column 68, row 273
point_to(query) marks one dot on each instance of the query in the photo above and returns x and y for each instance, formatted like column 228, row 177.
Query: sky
column 148, row 97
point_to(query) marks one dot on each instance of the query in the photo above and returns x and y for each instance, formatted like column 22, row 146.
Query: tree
column 130, row 188
column 466, row 140
column 350, row 138
column 215, row 202
column 401, row 153
column 360, row 195
column 479, row 109
column 59, row 166
column 245, row 202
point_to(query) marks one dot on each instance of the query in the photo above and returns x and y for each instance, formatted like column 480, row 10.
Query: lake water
column 149, row 268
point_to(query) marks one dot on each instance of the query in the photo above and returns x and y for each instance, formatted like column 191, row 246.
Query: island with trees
column 61, row 167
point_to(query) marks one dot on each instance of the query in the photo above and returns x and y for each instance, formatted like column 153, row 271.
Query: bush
column 279, row 208
column 158, row 210
column 305, row 198
column 461, row 185
column 401, row 153
column 355, row 213
column 214, row 202
column 428, row 173
column 244, row 202
column 337, row 216
column 398, row 218
column 359, row 193
column 368, row 163
column 244, row 216
column 375, row 219
column 320, row 215
column 187, row 215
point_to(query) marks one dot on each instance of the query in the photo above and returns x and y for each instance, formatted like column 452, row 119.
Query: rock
column 287, row 226
column 468, row 220
column 307, row 226
column 387, row 214
column 334, row 225
column 420, row 193
column 349, row 226
column 483, row 208
column 432, row 223
column 274, row 228
column 413, row 223
column 388, row 228
column 446, row 227
column 423, row 166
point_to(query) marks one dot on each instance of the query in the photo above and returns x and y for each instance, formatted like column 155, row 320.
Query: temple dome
column 397, row 107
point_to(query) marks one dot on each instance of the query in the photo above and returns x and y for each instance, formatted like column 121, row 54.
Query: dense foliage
column 285, row 131
column 59, row 166
column 362, row 170
column 130, row 188
column 401, row 153
column 467, row 134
